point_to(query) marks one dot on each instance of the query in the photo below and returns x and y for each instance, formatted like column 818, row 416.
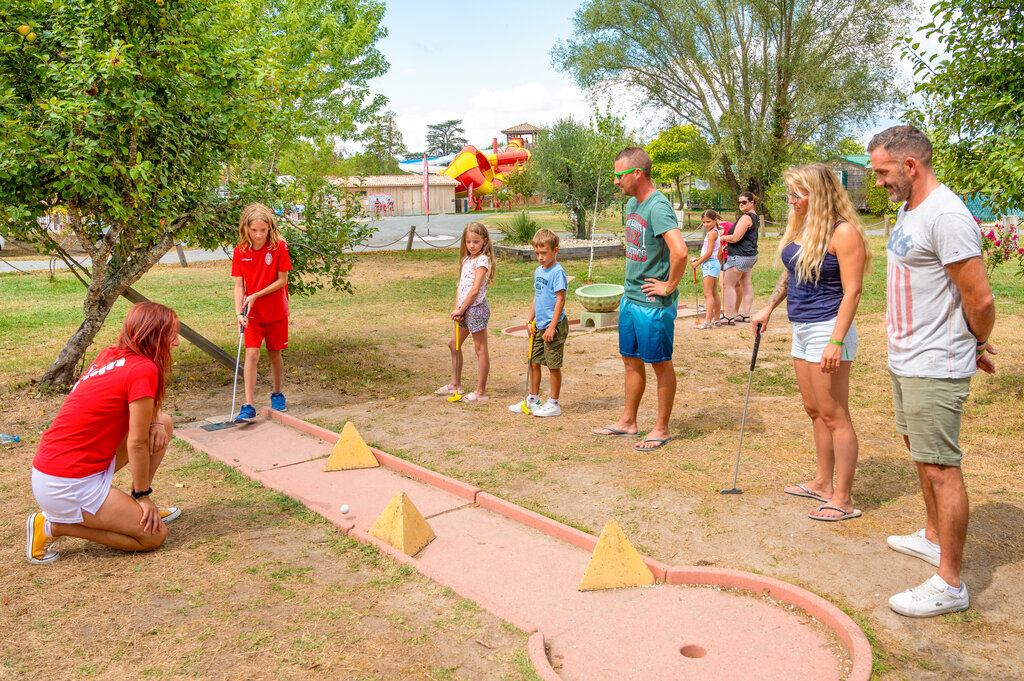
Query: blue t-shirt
column 546, row 283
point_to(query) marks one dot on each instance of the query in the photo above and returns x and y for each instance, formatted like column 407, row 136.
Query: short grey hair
column 902, row 142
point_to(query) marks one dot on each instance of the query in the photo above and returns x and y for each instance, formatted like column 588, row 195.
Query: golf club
column 529, row 356
column 234, row 389
column 753, row 359
column 458, row 367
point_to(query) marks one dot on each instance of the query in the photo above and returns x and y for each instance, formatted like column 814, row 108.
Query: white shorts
column 810, row 339
column 62, row 500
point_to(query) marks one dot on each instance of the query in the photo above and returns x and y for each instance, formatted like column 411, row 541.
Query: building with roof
column 524, row 131
column 404, row 191
column 851, row 170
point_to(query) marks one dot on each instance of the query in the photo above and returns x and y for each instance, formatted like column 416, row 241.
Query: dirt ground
column 382, row 371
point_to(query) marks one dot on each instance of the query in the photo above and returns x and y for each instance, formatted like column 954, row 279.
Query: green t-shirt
column 646, row 252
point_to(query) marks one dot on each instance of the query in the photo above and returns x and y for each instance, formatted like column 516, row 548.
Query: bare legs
column 826, row 401
column 745, row 293
column 947, row 509
column 116, row 523
column 636, row 383
column 483, row 359
column 729, row 279
column 712, row 304
column 252, row 360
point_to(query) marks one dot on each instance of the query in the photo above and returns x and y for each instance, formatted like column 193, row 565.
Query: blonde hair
column 545, row 237
column 827, row 204
column 479, row 229
column 257, row 212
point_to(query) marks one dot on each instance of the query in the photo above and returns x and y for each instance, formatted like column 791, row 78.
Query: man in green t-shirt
column 655, row 262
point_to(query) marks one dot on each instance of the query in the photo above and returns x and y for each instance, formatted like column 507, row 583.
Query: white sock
column 552, row 400
column 47, row 529
column 958, row 591
column 533, row 398
column 933, row 545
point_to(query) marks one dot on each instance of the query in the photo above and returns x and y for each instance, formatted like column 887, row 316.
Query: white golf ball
column 344, row 509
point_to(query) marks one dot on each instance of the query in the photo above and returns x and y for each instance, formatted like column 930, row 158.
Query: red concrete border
column 845, row 628
column 539, row 657
column 450, row 485
column 299, row 425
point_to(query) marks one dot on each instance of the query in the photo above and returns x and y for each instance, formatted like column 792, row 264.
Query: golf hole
column 693, row 651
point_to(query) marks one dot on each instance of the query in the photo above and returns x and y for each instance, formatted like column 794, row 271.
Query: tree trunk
column 64, row 371
column 581, row 222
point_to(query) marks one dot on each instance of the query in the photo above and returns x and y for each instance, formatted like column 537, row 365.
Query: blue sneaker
column 247, row 413
column 277, row 402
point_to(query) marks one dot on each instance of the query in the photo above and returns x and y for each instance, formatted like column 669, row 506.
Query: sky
column 489, row 64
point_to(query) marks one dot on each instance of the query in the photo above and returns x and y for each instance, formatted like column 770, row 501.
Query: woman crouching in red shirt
column 110, row 418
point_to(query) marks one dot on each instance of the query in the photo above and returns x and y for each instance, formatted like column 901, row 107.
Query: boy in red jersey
column 260, row 266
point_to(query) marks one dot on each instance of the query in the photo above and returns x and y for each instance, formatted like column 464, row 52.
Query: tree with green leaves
column 574, row 163
column 150, row 122
column 522, row 182
column 757, row 78
column 384, row 142
column 974, row 97
column 678, row 152
column 877, row 197
column 445, row 137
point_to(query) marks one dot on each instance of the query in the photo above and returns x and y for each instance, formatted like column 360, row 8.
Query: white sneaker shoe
column 549, row 408
column 530, row 404
column 915, row 545
column 929, row 599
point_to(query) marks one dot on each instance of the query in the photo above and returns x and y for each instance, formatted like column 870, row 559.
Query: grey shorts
column 744, row 263
column 928, row 412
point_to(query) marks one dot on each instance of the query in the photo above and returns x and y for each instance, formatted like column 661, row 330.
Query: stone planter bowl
column 600, row 297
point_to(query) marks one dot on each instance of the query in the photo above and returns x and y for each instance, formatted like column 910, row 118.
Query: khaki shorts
column 550, row 354
column 928, row 412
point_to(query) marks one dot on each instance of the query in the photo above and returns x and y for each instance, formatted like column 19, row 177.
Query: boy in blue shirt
column 547, row 308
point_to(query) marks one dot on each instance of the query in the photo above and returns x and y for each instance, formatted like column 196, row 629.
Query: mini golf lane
column 698, row 623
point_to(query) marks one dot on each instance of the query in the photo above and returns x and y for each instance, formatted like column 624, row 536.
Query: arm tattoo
column 781, row 288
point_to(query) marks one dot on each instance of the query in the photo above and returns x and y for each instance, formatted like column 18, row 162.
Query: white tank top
column 714, row 249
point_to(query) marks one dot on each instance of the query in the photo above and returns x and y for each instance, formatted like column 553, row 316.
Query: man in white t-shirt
column 939, row 314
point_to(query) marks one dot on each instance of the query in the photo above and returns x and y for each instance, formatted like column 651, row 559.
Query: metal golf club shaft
column 529, row 356
column 743, row 420
column 238, row 358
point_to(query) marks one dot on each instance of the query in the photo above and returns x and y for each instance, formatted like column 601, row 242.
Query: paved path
column 525, row 569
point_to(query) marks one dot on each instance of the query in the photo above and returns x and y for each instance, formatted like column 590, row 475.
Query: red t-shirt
column 258, row 269
column 726, row 228
column 94, row 418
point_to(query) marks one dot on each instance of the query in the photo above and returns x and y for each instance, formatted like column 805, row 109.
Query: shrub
column 519, row 230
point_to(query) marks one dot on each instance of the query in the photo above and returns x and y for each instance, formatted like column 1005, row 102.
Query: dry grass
column 375, row 357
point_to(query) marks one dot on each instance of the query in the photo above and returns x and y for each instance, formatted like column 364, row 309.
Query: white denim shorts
column 811, row 338
column 62, row 500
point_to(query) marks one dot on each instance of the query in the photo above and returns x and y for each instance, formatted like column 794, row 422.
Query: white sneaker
column 530, row 404
column 929, row 599
column 549, row 408
column 915, row 545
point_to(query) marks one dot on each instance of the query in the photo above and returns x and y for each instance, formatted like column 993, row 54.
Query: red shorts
column 276, row 334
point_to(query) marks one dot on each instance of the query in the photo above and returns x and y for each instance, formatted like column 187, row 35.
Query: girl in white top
column 710, row 267
column 471, row 312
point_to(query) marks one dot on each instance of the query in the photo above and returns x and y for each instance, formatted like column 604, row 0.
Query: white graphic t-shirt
column 927, row 329
column 469, row 268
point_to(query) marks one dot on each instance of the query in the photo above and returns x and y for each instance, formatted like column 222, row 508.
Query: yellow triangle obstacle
column 350, row 452
column 401, row 526
column 615, row 563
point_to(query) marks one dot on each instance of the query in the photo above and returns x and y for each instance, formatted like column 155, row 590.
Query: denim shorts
column 476, row 317
column 928, row 412
column 744, row 263
column 711, row 268
column 646, row 332
column 811, row 338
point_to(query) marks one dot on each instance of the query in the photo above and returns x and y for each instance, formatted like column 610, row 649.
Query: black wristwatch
column 139, row 495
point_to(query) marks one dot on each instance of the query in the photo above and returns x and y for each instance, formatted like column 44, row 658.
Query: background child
column 549, row 286
column 260, row 266
column 476, row 270
column 711, row 267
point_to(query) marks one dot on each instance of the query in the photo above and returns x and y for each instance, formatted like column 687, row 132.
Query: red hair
column 149, row 331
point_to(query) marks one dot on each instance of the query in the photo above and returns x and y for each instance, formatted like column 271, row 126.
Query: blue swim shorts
column 646, row 332
column 711, row 268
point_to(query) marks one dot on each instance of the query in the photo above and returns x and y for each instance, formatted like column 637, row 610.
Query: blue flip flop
column 613, row 432
column 846, row 515
column 661, row 443
column 808, row 493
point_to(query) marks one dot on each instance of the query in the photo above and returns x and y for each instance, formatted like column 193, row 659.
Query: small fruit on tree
column 24, row 30
column 31, row 37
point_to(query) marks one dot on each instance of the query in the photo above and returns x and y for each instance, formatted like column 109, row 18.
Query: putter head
column 455, row 398
column 732, row 490
column 218, row 426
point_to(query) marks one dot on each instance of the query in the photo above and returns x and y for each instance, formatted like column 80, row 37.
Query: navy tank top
column 807, row 301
